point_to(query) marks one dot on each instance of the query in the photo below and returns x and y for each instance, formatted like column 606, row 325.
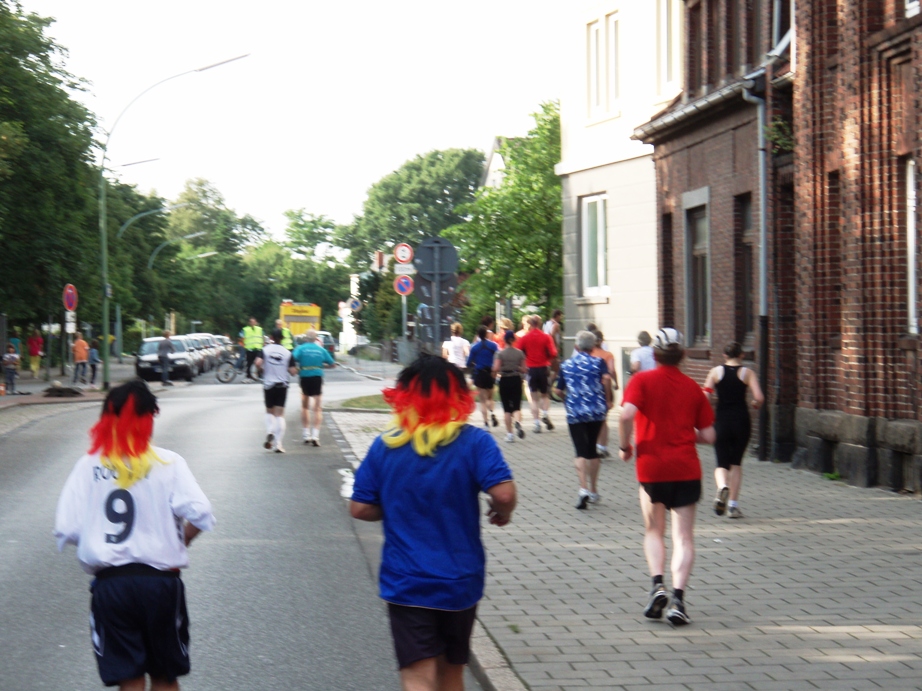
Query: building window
column 745, row 242
column 594, row 244
column 666, row 272
column 699, row 324
column 669, row 52
column 695, row 51
column 912, row 279
column 912, row 8
column 594, row 68
column 754, row 40
column 734, row 38
column 611, row 62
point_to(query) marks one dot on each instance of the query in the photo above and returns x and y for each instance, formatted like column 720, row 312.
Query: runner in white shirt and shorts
column 132, row 509
column 275, row 362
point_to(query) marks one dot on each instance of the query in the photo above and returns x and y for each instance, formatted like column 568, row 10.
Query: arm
column 189, row 533
column 635, row 366
column 758, row 398
column 495, row 370
column 502, row 502
column 710, row 382
column 706, row 435
column 365, row 512
column 626, row 431
column 609, row 392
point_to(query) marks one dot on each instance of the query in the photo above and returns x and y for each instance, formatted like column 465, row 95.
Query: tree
column 512, row 241
column 306, row 232
column 418, row 200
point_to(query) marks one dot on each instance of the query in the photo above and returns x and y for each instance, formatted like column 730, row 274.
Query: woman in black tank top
column 730, row 382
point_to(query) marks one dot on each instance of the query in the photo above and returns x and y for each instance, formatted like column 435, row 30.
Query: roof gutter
column 698, row 107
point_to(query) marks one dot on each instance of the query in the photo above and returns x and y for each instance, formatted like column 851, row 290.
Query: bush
column 131, row 339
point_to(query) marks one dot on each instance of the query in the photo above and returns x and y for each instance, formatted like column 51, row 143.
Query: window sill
column 698, row 353
column 591, row 300
column 908, row 342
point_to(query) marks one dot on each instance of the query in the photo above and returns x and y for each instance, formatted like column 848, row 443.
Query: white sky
column 334, row 96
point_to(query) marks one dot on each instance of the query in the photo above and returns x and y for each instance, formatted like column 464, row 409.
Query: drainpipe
column 749, row 97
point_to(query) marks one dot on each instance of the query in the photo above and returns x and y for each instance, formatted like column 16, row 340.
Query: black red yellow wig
column 431, row 403
column 122, row 435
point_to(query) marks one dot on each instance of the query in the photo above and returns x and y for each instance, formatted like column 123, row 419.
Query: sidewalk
column 35, row 388
column 819, row 587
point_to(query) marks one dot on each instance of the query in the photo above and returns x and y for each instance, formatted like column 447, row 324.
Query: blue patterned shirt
column 581, row 377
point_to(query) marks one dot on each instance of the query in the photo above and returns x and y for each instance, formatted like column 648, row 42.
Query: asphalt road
column 280, row 595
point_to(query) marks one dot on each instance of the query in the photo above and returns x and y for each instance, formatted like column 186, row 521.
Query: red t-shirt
column 671, row 406
column 538, row 347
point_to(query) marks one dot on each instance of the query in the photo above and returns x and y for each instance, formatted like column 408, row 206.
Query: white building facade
column 625, row 58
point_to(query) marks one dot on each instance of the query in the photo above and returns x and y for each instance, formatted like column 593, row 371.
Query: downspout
column 749, row 97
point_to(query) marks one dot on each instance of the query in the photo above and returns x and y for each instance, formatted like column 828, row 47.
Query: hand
column 497, row 518
column 626, row 453
column 756, row 405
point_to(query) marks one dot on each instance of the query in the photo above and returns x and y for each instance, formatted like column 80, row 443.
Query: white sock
column 280, row 426
column 313, row 433
column 270, row 423
column 732, row 504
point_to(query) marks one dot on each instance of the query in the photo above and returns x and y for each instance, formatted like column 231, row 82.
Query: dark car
column 325, row 338
column 147, row 364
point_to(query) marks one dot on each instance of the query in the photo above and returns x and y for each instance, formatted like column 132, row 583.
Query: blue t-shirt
column 581, row 377
column 482, row 354
column 432, row 555
column 311, row 358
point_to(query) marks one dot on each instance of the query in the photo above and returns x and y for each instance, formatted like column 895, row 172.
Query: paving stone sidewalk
column 819, row 587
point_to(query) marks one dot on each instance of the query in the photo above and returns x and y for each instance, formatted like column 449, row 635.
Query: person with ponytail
column 423, row 477
column 132, row 509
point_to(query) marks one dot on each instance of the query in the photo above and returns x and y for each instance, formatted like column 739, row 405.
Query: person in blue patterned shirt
column 586, row 383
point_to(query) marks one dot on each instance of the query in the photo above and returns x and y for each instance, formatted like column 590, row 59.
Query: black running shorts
column 311, row 386
column 674, row 495
column 537, row 379
column 510, row 393
column 139, row 624
column 732, row 439
column 584, row 436
column 420, row 633
column 275, row 396
column 483, row 379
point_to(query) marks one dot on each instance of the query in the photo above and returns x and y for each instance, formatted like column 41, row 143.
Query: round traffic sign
column 70, row 297
column 355, row 304
column 403, row 285
column 403, row 253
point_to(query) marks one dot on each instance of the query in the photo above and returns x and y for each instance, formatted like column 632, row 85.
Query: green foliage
column 307, row 232
column 781, row 134
column 418, row 200
column 512, row 242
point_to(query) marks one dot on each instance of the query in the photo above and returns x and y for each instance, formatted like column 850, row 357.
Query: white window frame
column 595, row 69
column 912, row 8
column 912, row 278
column 601, row 265
column 669, row 49
column 612, row 61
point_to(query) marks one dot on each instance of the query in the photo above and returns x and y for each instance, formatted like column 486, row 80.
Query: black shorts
column 674, row 495
column 510, row 393
column 420, row 633
column 275, row 396
column 537, row 379
column 311, row 386
column 584, row 436
column 483, row 379
column 139, row 624
column 732, row 439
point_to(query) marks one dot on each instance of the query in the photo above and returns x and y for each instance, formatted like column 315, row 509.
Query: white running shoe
column 279, row 448
column 594, row 497
column 306, row 436
column 537, row 427
column 510, row 437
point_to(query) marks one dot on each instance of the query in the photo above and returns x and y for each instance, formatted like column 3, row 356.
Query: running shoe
column 306, row 436
column 269, row 439
column 519, row 431
column 594, row 497
column 602, row 451
column 720, row 501
column 547, row 421
column 279, row 448
column 583, row 501
column 510, row 437
column 494, row 420
column 537, row 427
column 315, row 440
column 657, row 602
column 676, row 613
column 734, row 512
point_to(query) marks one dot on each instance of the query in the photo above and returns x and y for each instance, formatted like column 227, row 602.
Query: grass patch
column 374, row 402
column 832, row 476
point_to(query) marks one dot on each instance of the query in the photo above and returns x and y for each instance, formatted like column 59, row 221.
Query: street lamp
column 150, row 262
column 103, row 236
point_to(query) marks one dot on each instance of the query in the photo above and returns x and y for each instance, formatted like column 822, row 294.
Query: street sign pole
column 403, row 310
column 437, row 302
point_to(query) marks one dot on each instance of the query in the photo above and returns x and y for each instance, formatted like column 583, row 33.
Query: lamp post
column 103, row 235
column 150, row 262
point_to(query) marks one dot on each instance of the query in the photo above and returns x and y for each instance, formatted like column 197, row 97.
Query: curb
column 488, row 664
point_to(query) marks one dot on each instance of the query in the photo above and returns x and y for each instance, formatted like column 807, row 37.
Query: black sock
column 657, row 580
column 678, row 594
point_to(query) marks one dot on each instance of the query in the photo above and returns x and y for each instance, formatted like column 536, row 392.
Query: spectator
column 36, row 345
column 81, row 351
column 10, row 365
column 94, row 360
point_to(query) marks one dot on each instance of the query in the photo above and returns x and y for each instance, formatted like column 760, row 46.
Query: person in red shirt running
column 539, row 350
column 670, row 414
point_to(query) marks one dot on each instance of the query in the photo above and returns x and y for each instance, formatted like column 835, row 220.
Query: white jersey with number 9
column 112, row 526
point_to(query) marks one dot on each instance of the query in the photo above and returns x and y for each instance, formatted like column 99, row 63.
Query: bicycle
column 228, row 370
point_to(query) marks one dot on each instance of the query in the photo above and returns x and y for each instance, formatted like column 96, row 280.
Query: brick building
column 837, row 318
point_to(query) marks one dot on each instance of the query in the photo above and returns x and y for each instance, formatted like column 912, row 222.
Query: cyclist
column 253, row 342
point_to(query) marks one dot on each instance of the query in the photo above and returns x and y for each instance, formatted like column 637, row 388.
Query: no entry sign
column 70, row 297
column 403, row 253
column 403, row 285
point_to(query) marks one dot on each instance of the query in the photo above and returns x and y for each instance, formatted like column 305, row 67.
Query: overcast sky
column 333, row 96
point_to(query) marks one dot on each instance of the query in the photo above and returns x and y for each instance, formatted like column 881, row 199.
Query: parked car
column 325, row 338
column 209, row 349
column 195, row 353
column 147, row 364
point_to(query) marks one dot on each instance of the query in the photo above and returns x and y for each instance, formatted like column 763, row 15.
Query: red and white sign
column 403, row 253
column 70, row 297
column 403, row 285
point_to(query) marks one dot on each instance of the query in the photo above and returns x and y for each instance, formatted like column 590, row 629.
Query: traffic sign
column 70, row 297
column 431, row 268
column 403, row 253
column 448, row 287
column 355, row 304
column 403, row 285
column 404, row 269
column 70, row 317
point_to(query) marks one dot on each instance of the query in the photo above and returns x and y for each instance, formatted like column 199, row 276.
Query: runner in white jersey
column 275, row 362
column 132, row 509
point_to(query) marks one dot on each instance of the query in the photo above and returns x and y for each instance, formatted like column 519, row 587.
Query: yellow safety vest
column 253, row 337
column 287, row 343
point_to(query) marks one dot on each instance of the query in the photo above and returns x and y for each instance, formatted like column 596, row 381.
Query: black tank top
column 731, row 391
